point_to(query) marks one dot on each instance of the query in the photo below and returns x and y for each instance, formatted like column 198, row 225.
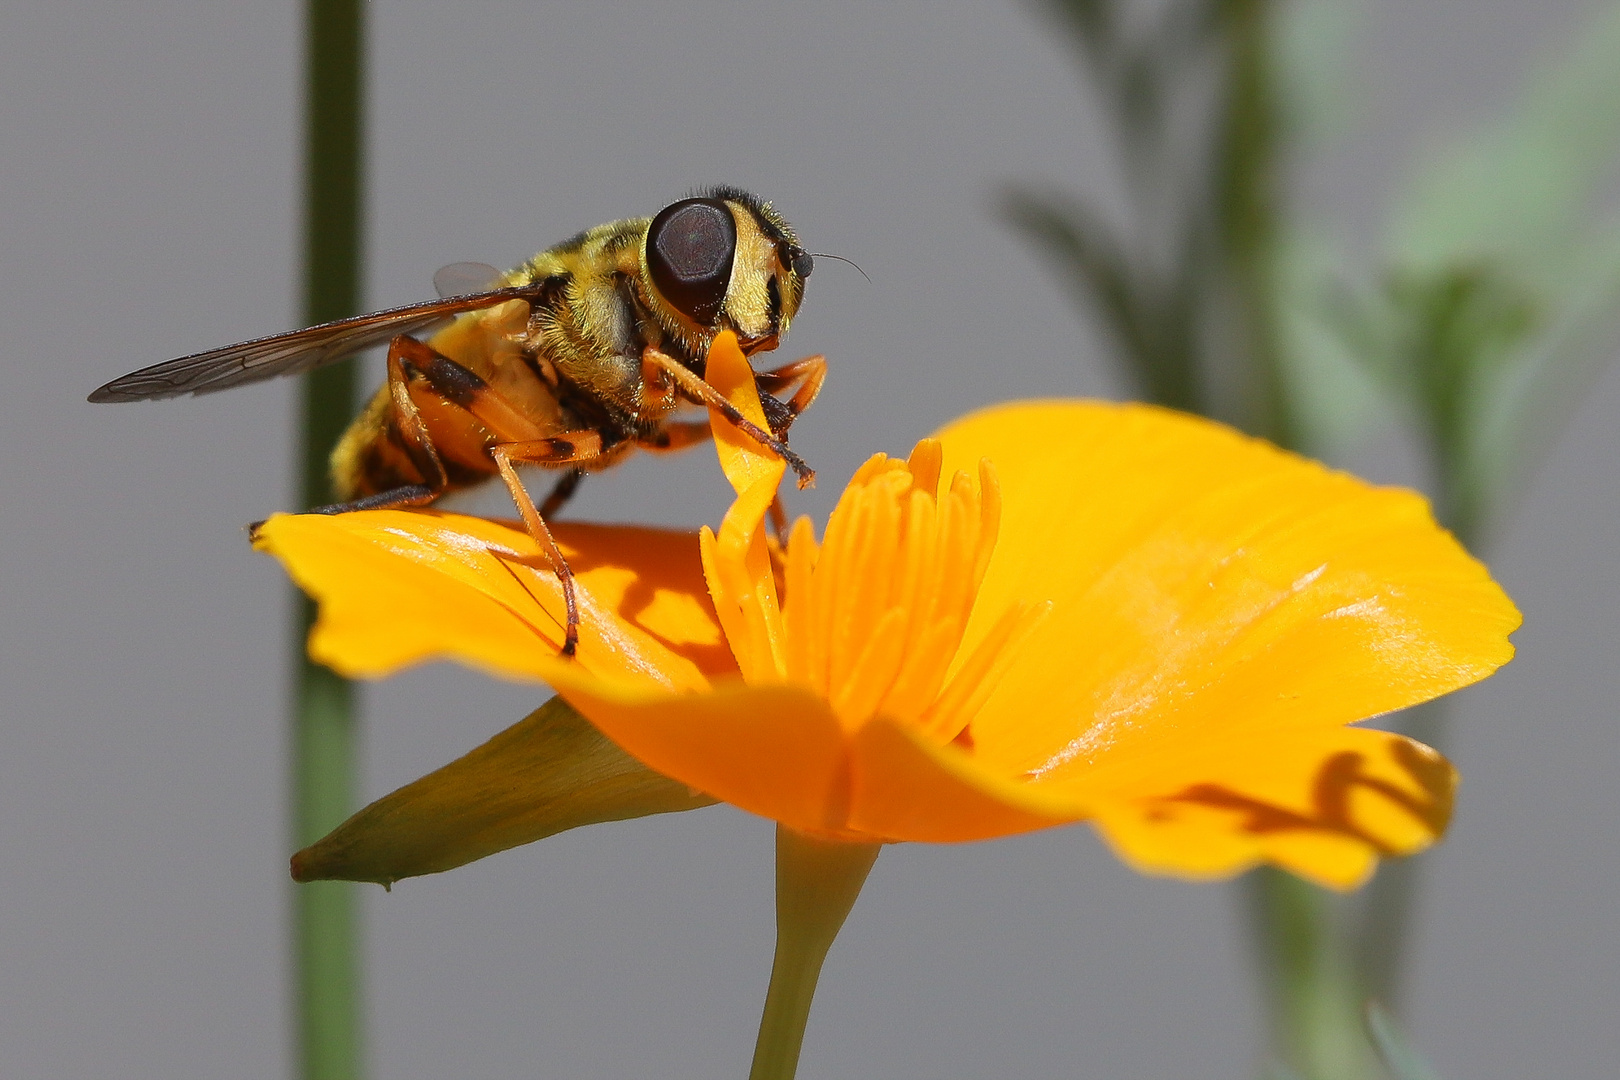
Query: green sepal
column 549, row 773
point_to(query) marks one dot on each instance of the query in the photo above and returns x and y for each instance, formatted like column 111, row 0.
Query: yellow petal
column 737, row 562
column 907, row 787
column 746, row 463
column 399, row 587
column 1218, row 609
column 775, row 750
column 1322, row 803
column 1205, row 583
column 779, row 751
column 551, row 772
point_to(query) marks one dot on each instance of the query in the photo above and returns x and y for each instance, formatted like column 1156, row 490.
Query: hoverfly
column 569, row 361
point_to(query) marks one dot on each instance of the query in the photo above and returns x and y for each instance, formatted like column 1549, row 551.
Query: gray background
column 148, row 199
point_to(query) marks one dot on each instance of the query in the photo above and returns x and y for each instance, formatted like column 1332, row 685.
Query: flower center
column 874, row 616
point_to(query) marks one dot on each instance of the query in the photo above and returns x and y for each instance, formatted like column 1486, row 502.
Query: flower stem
column 325, row 940
column 817, row 882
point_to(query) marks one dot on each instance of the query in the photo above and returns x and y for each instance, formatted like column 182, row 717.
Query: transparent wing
column 296, row 352
column 465, row 278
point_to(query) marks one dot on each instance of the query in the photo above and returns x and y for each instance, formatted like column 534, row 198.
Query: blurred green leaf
column 1441, row 340
column 1498, row 301
column 1314, row 67
column 1399, row 1058
column 1089, row 24
column 1494, row 302
column 1152, row 320
column 1523, row 189
column 1336, row 393
column 1525, row 404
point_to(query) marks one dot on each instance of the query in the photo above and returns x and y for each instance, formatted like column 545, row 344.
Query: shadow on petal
column 1324, row 804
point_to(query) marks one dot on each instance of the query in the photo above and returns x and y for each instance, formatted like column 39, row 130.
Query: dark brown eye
column 690, row 247
column 799, row 261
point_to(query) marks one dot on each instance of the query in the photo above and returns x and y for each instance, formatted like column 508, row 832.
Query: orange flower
column 1051, row 612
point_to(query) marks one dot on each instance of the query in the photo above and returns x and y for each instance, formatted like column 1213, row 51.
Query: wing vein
column 298, row 351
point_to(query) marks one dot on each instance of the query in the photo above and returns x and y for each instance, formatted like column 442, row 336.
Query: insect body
column 570, row 361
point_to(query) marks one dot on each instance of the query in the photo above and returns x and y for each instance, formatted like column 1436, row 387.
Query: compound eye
column 800, row 262
column 690, row 247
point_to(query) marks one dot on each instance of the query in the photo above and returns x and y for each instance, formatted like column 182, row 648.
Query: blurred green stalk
column 1248, row 194
column 1312, row 990
column 325, row 933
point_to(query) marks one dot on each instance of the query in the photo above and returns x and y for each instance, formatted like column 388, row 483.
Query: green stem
column 325, row 933
column 1248, row 201
column 817, row 882
column 327, row 960
column 1313, row 998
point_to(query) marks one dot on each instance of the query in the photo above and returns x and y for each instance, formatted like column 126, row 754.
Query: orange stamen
column 873, row 618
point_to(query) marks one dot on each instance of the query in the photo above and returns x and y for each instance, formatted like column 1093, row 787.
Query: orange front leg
column 701, row 393
column 810, row 373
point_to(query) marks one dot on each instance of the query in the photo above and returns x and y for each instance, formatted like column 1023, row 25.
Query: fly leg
column 809, row 373
column 460, row 387
column 517, row 439
column 680, row 434
column 701, row 393
column 418, row 446
column 561, row 492
column 392, row 499
column 577, row 446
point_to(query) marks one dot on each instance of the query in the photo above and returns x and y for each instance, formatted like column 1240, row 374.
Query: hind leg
column 561, row 492
column 418, row 446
